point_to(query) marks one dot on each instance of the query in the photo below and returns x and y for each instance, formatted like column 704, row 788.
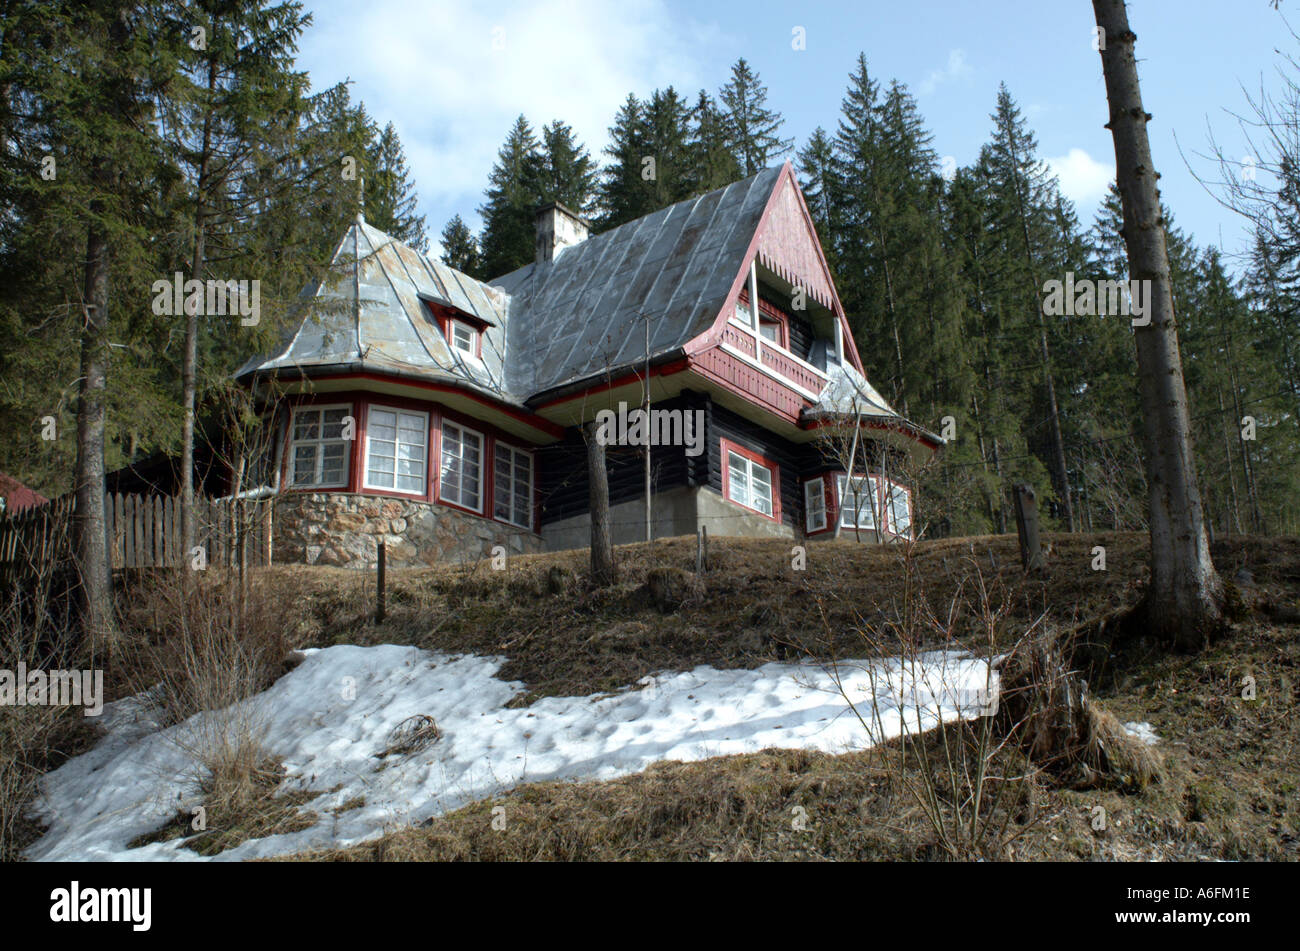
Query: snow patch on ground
column 1143, row 731
column 329, row 717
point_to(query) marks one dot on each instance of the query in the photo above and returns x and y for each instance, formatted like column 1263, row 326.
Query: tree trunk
column 602, row 547
column 189, row 370
column 91, row 544
column 1185, row 600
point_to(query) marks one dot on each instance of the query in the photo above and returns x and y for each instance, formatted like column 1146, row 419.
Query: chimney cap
column 559, row 206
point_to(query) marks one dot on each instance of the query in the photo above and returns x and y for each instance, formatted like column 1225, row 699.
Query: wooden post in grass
column 701, row 549
column 383, row 571
column 1031, row 552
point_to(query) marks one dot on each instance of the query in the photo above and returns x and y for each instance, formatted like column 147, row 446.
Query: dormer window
column 464, row 338
column 462, row 331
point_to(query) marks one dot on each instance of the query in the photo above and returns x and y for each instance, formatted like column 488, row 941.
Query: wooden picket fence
column 143, row 531
column 35, row 537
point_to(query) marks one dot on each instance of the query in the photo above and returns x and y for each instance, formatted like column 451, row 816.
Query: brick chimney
column 558, row 228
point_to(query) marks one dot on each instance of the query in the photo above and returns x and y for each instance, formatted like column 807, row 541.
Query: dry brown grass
column 1221, row 784
column 203, row 644
column 1230, row 788
column 34, row 631
column 243, row 798
column 561, row 637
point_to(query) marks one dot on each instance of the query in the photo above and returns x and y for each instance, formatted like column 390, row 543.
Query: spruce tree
column 460, row 248
column 567, row 173
column 713, row 164
column 509, row 231
column 390, row 199
column 755, row 129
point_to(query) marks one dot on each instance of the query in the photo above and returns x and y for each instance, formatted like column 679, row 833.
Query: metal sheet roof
column 551, row 323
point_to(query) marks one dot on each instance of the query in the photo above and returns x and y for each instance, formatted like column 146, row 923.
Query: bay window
column 858, row 501
column 460, row 480
column 397, row 447
column 318, row 453
column 512, row 490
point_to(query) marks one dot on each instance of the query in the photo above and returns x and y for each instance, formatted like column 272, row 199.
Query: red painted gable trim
column 713, row 334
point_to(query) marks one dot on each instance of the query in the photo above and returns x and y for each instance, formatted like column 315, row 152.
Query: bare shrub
column 211, row 646
column 968, row 777
column 36, row 631
column 216, row 645
column 411, row 736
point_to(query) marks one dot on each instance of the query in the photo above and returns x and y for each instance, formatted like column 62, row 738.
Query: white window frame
column 514, row 452
column 319, row 442
column 482, row 464
column 750, row 466
column 809, row 508
column 868, row 511
column 452, row 325
column 899, row 491
column 365, row 464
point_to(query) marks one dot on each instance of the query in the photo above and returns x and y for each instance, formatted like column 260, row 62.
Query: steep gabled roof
column 582, row 314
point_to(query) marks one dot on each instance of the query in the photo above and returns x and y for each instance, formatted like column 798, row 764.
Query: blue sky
column 453, row 75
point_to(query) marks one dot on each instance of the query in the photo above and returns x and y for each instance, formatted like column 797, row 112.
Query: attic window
column 463, row 338
column 462, row 331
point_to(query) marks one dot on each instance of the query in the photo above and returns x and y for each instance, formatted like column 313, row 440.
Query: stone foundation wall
column 333, row 528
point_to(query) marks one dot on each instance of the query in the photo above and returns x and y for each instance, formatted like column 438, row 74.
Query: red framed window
column 460, row 478
column 512, row 485
column 751, row 480
column 318, row 450
column 397, row 450
column 773, row 324
column 858, row 499
column 463, row 332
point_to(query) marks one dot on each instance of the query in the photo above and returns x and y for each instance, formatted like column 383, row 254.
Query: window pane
column 332, row 428
column 814, row 506
column 738, row 477
column 304, row 465
column 306, row 424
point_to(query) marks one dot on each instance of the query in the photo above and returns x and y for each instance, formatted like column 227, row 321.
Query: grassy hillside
column 1227, row 784
column 1228, row 787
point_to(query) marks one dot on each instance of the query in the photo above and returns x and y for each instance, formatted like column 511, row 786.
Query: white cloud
column 453, row 76
column 957, row 68
column 1084, row 180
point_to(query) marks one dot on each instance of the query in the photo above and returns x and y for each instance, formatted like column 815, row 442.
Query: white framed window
column 814, row 505
column 858, row 502
column 460, row 480
column 512, row 488
column 900, row 510
column 749, row 483
column 397, row 449
column 318, row 453
column 463, row 337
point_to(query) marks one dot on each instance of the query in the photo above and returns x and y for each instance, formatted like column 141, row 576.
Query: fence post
column 383, row 566
column 1031, row 552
